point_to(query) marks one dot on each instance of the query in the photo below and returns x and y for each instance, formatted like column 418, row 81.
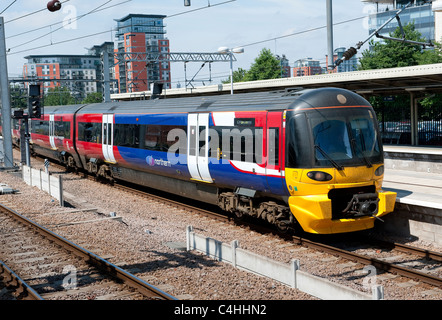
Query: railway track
column 39, row 264
column 385, row 265
column 378, row 263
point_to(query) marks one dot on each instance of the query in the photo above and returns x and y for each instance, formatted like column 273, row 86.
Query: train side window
column 40, row 127
column 192, row 141
column 89, row 132
column 241, row 144
column 273, row 155
column 152, row 138
column 126, row 135
column 62, row 129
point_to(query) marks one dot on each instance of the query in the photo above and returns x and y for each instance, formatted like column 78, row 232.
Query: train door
column 52, row 131
column 275, row 138
column 198, row 146
column 107, row 134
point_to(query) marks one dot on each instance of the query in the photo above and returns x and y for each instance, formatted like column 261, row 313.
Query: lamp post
column 230, row 51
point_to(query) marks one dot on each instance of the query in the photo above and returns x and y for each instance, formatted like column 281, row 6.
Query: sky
column 293, row 28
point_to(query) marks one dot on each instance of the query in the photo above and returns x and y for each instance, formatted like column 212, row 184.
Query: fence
column 394, row 116
column 288, row 274
column 44, row 181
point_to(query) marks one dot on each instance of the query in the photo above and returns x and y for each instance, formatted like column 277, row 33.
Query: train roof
column 238, row 102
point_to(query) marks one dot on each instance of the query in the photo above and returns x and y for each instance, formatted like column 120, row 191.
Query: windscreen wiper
column 367, row 162
column 333, row 162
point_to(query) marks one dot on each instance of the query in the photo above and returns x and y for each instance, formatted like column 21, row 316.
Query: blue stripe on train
column 222, row 173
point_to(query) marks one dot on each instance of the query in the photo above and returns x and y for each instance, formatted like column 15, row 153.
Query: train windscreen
column 333, row 137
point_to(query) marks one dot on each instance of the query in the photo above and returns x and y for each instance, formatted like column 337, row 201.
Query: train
column 309, row 159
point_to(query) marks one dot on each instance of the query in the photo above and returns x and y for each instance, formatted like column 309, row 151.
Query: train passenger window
column 149, row 137
column 62, row 129
column 241, row 144
column 40, row 127
column 273, row 156
column 192, row 141
column 152, row 138
column 127, row 135
column 202, row 141
column 89, row 132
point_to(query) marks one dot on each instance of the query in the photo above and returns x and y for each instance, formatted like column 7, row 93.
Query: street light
column 227, row 50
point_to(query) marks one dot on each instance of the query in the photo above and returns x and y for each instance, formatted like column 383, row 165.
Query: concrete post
column 5, row 100
column 295, row 265
column 234, row 244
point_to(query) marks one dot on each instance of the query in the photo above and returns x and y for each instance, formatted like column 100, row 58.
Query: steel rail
column 131, row 280
column 377, row 263
column 10, row 278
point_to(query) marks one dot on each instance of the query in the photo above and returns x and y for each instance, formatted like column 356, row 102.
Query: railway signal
column 35, row 111
column 34, row 106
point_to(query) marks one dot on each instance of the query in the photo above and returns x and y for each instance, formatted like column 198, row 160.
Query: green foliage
column 19, row 97
column 238, row 76
column 94, row 97
column 266, row 66
column 392, row 54
column 58, row 96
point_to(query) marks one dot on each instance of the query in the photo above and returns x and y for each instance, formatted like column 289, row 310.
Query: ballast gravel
column 149, row 241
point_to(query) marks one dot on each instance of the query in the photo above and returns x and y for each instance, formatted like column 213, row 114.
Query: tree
column 392, row 54
column 94, row 97
column 19, row 97
column 58, row 96
column 266, row 66
column 238, row 76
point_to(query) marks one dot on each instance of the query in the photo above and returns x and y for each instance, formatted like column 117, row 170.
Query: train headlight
column 319, row 176
column 379, row 171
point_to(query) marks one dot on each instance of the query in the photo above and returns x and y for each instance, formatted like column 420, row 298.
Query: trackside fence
column 44, row 181
column 288, row 274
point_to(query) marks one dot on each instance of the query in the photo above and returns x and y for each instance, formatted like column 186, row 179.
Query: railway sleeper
column 270, row 211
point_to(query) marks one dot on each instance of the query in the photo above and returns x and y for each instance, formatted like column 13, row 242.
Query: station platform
column 414, row 187
column 415, row 174
column 411, row 158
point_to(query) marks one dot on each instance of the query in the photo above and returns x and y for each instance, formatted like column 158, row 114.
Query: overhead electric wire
column 300, row 32
column 8, row 6
column 32, row 13
column 76, row 19
column 201, row 8
column 102, row 32
column 59, row 42
column 54, row 24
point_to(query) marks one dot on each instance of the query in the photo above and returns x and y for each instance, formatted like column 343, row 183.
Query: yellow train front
column 334, row 164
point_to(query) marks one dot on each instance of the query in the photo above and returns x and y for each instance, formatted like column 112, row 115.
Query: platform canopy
column 425, row 79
